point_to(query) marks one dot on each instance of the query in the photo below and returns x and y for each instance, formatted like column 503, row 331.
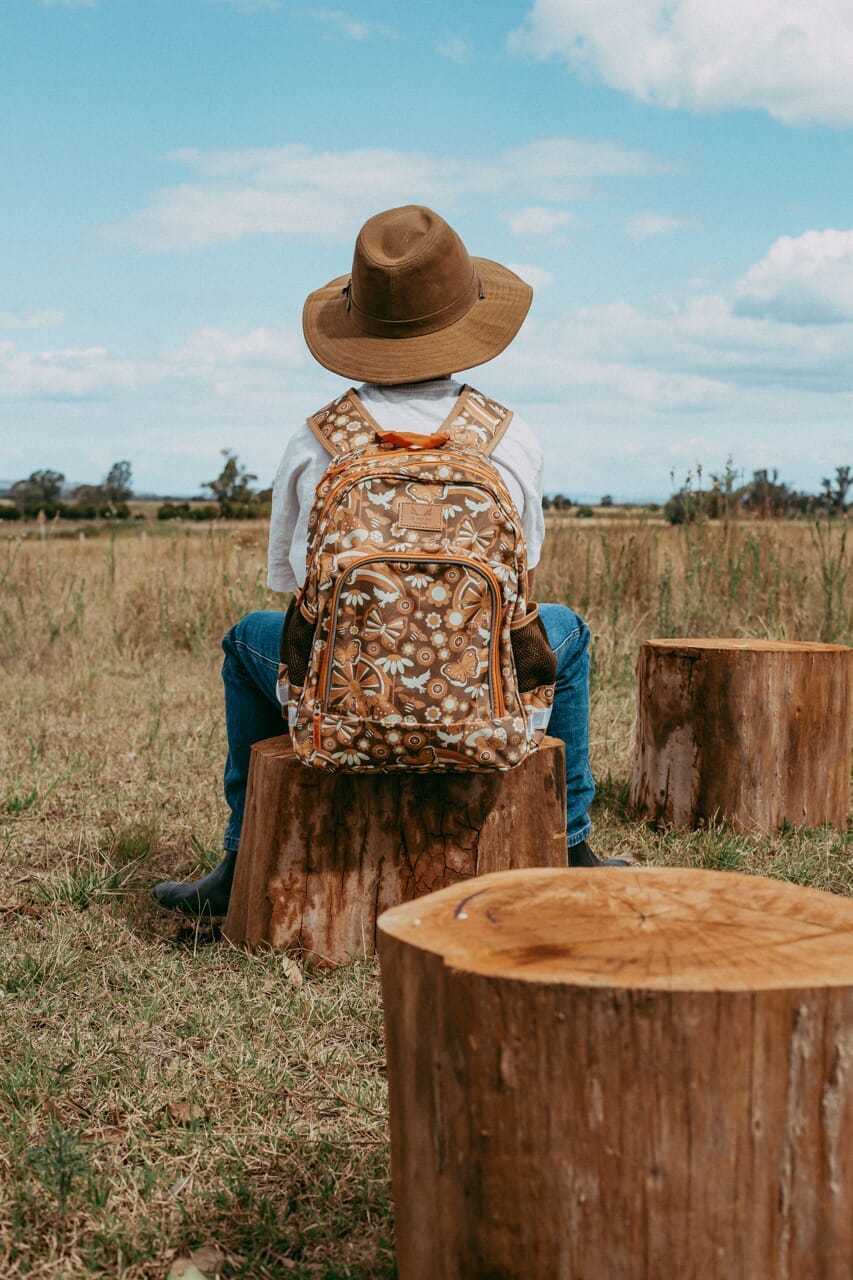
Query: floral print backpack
column 411, row 644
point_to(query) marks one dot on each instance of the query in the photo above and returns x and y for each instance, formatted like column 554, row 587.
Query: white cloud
column 557, row 165
column 643, row 226
column 259, row 347
column 62, row 374
column 791, row 58
column 456, row 48
column 803, row 280
column 536, row 277
column 347, row 24
column 31, row 318
column 538, row 222
column 296, row 191
column 194, row 216
column 250, row 363
column 569, row 361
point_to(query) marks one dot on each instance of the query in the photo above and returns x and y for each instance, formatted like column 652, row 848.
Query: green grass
column 163, row 1090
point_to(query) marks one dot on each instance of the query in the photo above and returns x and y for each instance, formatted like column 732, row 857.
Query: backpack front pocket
column 414, row 640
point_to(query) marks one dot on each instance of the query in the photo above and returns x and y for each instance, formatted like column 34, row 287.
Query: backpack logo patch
column 428, row 516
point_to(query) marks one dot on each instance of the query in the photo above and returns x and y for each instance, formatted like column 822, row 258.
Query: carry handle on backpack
column 411, row 439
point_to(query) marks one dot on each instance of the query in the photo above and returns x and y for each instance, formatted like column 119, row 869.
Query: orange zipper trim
column 494, row 653
column 488, row 473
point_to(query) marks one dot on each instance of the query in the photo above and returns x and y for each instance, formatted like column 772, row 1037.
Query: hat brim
column 480, row 335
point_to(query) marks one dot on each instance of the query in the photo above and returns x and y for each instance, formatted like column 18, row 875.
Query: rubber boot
column 206, row 897
column 580, row 855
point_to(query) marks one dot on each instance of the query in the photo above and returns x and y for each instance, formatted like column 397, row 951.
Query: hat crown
column 416, row 305
column 410, row 266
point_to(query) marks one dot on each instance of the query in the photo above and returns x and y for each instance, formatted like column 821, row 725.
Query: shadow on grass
column 613, row 794
column 322, row 1213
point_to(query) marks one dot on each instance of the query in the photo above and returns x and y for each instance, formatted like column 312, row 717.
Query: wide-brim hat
column 416, row 304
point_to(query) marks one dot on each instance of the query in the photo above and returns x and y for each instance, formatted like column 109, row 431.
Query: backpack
column 411, row 644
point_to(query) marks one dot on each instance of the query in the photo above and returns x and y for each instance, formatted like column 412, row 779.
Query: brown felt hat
column 416, row 305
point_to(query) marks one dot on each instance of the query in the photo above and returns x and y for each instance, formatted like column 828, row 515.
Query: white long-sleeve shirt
column 420, row 407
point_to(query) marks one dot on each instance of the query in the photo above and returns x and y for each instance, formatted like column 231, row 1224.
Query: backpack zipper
column 324, row 675
column 487, row 473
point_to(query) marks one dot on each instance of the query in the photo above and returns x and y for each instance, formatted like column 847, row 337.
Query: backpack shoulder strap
column 344, row 425
column 347, row 424
column 476, row 421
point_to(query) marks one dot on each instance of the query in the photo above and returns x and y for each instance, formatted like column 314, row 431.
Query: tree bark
column 323, row 854
column 756, row 732
column 621, row 1074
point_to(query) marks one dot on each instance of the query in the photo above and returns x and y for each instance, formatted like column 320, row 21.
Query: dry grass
column 160, row 1091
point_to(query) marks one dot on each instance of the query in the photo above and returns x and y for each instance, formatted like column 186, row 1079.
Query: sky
column 673, row 177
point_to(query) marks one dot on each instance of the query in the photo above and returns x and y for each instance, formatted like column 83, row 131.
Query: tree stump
column 756, row 732
column 621, row 1075
column 323, row 854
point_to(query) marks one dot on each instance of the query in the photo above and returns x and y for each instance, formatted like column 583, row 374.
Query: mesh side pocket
column 535, row 663
column 296, row 640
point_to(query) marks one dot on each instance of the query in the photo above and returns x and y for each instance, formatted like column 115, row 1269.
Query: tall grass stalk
column 829, row 538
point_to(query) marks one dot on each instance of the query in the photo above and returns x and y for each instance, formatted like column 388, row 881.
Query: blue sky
column 672, row 176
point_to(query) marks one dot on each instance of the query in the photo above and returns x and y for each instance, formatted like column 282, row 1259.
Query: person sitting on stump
column 415, row 308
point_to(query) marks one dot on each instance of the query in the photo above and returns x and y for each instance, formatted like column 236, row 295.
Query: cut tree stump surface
column 621, row 1073
column 323, row 854
column 757, row 732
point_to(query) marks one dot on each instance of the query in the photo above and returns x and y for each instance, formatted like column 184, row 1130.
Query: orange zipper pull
column 318, row 724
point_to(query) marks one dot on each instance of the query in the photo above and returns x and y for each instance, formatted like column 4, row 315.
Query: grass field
column 161, row 1091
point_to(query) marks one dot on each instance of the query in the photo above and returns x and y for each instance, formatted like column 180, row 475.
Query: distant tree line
column 42, row 495
column 233, row 497
column 764, row 496
column 42, row 492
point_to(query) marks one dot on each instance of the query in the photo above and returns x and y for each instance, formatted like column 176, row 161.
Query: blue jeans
column 252, row 711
